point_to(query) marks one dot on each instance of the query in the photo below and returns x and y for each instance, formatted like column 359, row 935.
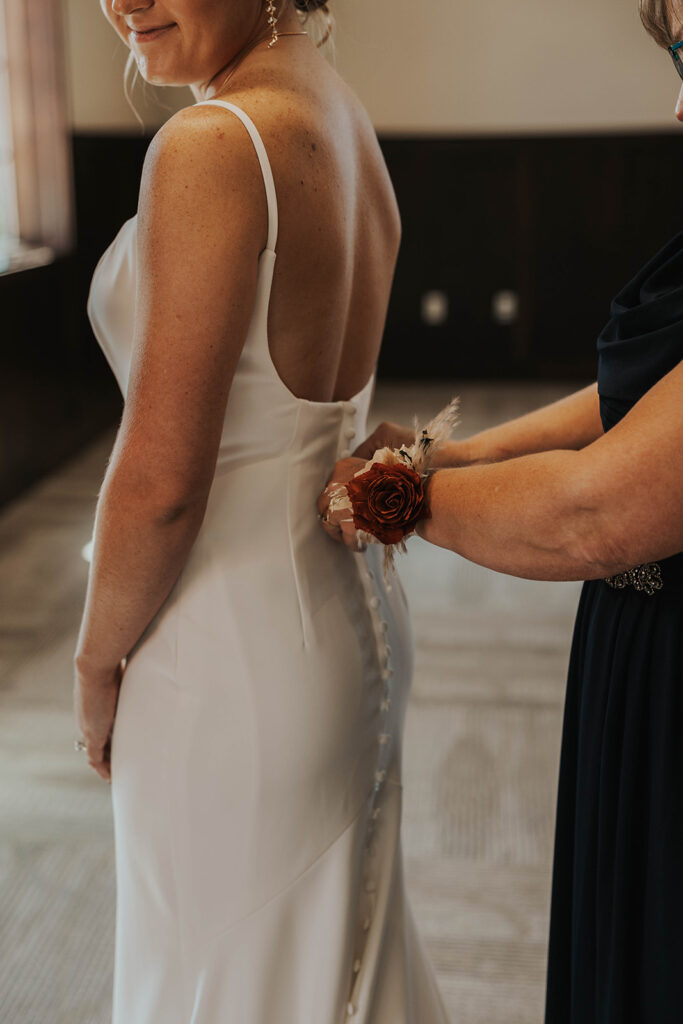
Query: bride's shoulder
column 202, row 162
column 202, row 129
column 206, row 135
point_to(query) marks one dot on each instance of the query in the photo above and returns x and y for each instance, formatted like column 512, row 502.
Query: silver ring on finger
column 80, row 745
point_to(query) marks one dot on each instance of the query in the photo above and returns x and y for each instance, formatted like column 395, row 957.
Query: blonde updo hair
column 315, row 14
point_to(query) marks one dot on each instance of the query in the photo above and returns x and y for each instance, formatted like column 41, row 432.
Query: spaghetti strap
column 268, row 180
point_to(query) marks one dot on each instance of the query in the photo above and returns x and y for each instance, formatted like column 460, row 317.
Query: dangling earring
column 272, row 21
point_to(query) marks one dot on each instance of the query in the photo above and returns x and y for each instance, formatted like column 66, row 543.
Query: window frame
column 40, row 217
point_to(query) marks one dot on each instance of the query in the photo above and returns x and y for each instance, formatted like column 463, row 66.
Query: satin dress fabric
column 616, row 941
column 256, row 753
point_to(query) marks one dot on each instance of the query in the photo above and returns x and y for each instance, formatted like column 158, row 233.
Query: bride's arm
column 570, row 423
column 202, row 222
column 563, row 515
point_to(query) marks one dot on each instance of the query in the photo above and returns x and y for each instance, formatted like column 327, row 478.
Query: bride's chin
column 155, row 77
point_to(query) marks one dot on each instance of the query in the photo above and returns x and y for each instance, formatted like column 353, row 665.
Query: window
column 9, row 215
column 36, row 206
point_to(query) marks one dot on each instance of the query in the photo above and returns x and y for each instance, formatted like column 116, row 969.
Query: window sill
column 17, row 256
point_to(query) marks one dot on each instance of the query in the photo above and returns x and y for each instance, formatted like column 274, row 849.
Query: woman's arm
column 564, row 515
column 202, row 222
column 570, row 423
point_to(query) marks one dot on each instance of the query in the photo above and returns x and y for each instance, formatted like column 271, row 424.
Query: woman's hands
column 393, row 435
column 96, row 694
column 386, row 435
column 339, row 525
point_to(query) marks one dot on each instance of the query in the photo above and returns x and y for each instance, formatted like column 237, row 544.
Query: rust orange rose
column 387, row 501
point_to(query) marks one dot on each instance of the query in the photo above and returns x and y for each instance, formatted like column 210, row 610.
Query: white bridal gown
column 256, row 755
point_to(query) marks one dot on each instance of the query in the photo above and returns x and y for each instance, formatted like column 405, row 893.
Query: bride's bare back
column 202, row 225
column 339, row 227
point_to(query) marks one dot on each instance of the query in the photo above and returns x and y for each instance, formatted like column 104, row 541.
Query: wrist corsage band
column 386, row 498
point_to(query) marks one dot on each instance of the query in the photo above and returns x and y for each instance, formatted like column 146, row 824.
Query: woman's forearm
column 615, row 504
column 570, row 424
column 140, row 546
column 531, row 517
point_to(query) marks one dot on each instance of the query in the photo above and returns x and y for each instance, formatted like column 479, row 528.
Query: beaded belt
column 646, row 578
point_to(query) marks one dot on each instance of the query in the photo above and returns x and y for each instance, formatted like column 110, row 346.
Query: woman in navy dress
column 592, row 488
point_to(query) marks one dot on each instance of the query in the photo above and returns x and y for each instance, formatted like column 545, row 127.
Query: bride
column 240, row 678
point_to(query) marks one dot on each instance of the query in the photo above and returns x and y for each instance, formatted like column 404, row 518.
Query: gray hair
column 661, row 18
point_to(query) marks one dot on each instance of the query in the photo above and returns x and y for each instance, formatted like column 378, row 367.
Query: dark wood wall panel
column 455, row 202
column 561, row 222
column 56, row 389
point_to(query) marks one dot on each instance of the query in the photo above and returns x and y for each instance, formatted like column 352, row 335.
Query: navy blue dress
column 616, row 929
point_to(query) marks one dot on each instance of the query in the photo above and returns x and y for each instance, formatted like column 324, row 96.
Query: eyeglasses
column 676, row 56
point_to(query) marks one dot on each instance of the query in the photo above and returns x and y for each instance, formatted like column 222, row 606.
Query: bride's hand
column 386, row 435
column 339, row 525
column 95, row 698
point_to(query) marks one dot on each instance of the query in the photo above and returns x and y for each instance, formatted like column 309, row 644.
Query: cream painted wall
column 96, row 58
column 504, row 65
column 447, row 66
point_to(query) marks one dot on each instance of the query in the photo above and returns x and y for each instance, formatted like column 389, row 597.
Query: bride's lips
column 152, row 33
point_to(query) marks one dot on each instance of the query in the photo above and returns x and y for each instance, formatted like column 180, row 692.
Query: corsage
column 386, row 498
